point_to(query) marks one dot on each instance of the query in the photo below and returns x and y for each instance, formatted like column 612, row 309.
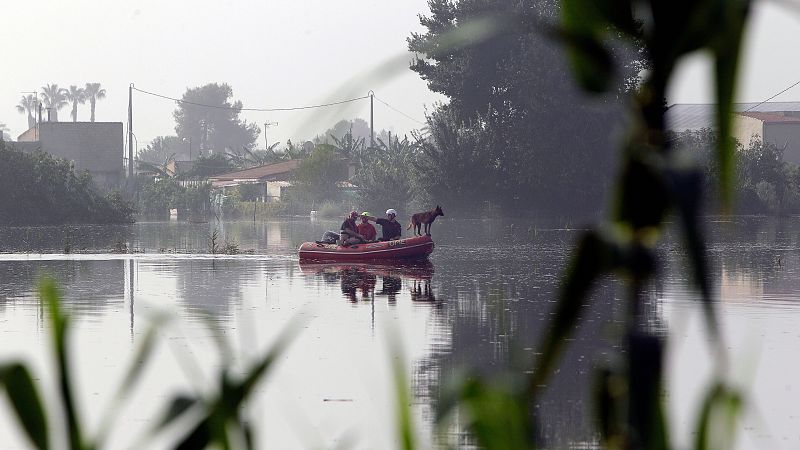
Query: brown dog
column 426, row 218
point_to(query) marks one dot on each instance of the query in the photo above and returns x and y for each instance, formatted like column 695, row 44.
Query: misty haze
column 399, row 225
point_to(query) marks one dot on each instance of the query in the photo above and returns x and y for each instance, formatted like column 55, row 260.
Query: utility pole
column 371, row 119
column 267, row 125
column 130, row 136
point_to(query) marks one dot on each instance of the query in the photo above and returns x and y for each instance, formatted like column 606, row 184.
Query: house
column 775, row 122
column 96, row 147
column 274, row 179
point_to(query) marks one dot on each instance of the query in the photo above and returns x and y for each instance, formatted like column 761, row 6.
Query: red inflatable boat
column 418, row 247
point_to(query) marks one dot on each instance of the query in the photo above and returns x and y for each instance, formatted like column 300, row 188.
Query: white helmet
column 391, row 211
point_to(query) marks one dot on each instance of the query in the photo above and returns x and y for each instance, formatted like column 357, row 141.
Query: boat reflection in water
column 369, row 280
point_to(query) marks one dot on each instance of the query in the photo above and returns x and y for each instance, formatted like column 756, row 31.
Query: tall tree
column 28, row 105
column 94, row 93
column 54, row 98
column 209, row 116
column 544, row 142
column 75, row 95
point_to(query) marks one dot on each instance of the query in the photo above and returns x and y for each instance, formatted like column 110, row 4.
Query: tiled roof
column 684, row 116
column 265, row 172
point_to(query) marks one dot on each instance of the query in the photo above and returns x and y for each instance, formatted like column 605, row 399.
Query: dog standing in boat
column 426, row 218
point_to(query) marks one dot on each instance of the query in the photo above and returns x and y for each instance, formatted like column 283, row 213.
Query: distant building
column 775, row 122
column 274, row 179
column 96, row 147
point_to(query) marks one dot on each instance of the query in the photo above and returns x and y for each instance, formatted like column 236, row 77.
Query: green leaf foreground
column 650, row 187
column 218, row 418
column 27, row 403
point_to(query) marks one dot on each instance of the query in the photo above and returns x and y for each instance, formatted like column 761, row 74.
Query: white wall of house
column 274, row 190
column 746, row 129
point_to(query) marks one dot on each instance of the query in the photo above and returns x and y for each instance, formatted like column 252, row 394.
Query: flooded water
column 481, row 303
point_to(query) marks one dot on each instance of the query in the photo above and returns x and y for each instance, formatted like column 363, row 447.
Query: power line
column 296, row 108
column 399, row 112
column 779, row 93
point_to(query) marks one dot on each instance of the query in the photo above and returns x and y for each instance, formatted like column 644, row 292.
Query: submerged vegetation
column 39, row 189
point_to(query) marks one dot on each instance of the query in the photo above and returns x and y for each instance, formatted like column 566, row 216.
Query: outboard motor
column 330, row 237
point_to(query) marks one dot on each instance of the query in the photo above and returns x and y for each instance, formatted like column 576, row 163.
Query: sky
column 282, row 53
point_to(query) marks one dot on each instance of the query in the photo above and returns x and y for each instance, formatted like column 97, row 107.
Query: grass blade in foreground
column 27, row 403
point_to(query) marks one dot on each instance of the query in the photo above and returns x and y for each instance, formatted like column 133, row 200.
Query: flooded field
column 481, row 302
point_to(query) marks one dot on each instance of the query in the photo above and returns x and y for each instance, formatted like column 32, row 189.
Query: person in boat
column 349, row 230
column 390, row 226
column 366, row 229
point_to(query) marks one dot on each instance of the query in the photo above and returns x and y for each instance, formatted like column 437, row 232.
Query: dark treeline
column 517, row 132
column 40, row 190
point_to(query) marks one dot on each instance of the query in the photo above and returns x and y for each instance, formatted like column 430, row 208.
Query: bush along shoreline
column 39, row 189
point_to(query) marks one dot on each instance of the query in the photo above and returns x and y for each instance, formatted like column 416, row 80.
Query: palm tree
column 75, row 95
column 4, row 132
column 54, row 98
column 28, row 104
column 93, row 93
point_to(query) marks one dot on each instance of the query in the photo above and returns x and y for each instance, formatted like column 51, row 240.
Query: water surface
column 481, row 302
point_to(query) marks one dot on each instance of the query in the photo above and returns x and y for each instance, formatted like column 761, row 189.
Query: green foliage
column 163, row 149
column 54, row 98
column 250, row 158
column 216, row 418
column 93, row 93
column 763, row 182
column 383, row 174
column 654, row 182
column 330, row 210
column 40, row 189
column 516, row 131
column 208, row 166
column 317, row 176
column 215, row 130
column 250, row 192
column 157, row 197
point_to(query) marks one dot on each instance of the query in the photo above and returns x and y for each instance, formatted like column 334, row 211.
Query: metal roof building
column 695, row 116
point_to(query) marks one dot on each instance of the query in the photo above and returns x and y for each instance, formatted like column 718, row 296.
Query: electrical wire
column 296, row 108
column 399, row 112
column 765, row 101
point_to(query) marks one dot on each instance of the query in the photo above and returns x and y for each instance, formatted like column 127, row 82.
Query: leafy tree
column 54, row 98
column 163, row 148
column 383, row 175
column 156, row 198
column 207, row 166
column 547, row 143
column 39, row 189
column 317, row 176
column 349, row 146
column 209, row 117
column 358, row 128
column 94, row 93
column 28, row 105
column 453, row 164
column 251, row 158
column 75, row 95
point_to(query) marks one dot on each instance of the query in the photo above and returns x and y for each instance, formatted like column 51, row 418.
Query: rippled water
column 481, row 302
